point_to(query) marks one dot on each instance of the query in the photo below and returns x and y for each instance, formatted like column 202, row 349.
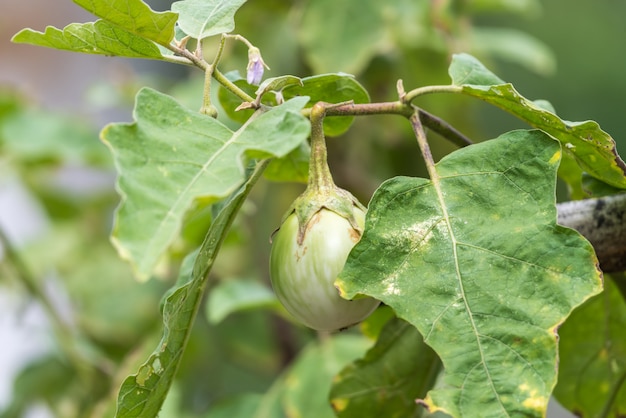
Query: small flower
column 256, row 66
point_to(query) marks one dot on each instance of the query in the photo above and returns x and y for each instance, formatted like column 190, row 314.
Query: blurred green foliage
column 570, row 53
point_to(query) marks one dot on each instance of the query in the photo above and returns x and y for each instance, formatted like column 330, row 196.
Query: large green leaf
column 127, row 28
column 308, row 382
column 143, row 393
column 475, row 260
column 342, row 35
column 590, row 146
column 98, row 37
column 203, row 18
column 330, row 88
column 134, row 16
column 592, row 350
column 171, row 156
column 385, row 383
column 302, row 390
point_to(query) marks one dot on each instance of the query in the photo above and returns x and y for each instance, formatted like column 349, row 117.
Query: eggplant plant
column 453, row 293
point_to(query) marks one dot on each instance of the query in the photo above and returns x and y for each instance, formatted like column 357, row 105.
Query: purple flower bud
column 255, row 67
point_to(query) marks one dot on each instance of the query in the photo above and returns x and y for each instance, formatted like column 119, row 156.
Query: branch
column 603, row 222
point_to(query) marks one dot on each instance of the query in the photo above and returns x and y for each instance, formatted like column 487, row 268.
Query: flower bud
column 256, row 66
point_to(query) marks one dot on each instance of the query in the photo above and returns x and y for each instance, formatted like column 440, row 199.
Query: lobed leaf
column 330, row 88
column 386, row 381
column 203, row 18
column 134, row 16
column 592, row 351
column 171, row 156
column 98, row 37
column 593, row 149
column 475, row 260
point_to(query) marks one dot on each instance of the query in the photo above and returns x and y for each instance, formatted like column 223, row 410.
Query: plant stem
column 207, row 107
column 217, row 75
column 420, row 91
column 444, row 129
column 230, row 86
column 191, row 57
column 320, row 178
column 424, row 147
column 431, row 121
column 362, row 109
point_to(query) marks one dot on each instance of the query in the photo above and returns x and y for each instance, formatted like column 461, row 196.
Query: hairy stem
column 207, row 107
column 230, row 86
column 320, row 177
column 429, row 120
column 197, row 61
column 420, row 91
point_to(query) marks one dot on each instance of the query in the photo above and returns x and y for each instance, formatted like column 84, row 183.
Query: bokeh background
column 57, row 207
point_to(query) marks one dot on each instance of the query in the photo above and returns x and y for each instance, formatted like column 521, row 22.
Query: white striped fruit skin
column 303, row 275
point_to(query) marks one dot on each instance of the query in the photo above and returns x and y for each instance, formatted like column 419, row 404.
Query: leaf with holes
column 100, row 37
column 171, row 156
column 475, row 260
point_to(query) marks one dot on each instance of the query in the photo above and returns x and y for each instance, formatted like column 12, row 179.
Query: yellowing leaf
column 171, row 156
column 475, row 261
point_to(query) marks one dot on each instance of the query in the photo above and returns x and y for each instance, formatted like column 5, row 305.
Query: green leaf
column 242, row 406
column 143, row 393
column 308, row 382
column 467, row 70
column 302, row 391
column 171, row 156
column 237, row 295
column 475, row 260
column 385, row 383
column 590, row 146
column 98, row 37
column 592, row 353
column 330, row 88
column 531, row 8
column 292, row 167
column 278, row 84
column 134, row 16
column 33, row 134
column 342, row 36
column 203, row 18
